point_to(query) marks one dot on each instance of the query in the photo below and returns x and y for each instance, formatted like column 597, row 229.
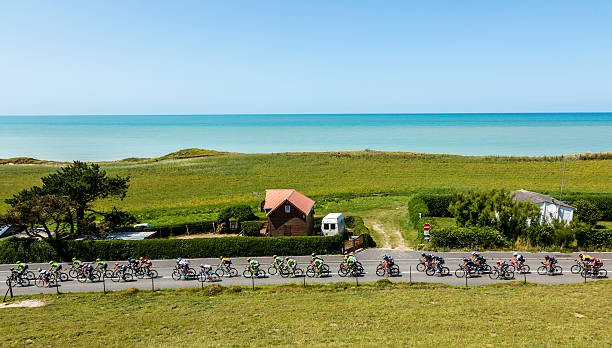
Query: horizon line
column 317, row 114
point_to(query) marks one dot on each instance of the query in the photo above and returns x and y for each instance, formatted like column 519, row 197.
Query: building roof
column 332, row 216
column 275, row 198
column 537, row 198
column 130, row 235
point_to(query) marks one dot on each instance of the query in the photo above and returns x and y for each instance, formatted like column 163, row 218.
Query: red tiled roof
column 274, row 198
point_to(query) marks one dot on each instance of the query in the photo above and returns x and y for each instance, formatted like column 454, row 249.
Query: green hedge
column 594, row 238
column 602, row 202
column 437, row 204
column 417, row 205
column 251, row 228
column 467, row 237
column 28, row 250
column 359, row 228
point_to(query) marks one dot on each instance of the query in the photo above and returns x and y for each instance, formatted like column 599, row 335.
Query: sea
column 114, row 137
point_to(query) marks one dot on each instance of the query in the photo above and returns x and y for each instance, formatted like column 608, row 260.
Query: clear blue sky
column 150, row 57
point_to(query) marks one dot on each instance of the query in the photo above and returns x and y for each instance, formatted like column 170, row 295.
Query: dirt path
column 386, row 231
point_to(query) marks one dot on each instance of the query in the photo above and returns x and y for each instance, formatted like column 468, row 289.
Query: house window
column 326, row 226
column 332, row 226
column 287, row 209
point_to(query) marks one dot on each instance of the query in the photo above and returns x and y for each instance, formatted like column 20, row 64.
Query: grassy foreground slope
column 162, row 186
column 508, row 315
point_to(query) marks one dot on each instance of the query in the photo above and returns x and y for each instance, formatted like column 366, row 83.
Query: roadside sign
column 426, row 228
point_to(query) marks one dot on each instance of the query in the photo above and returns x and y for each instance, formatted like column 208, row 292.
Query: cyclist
column 317, row 263
column 45, row 274
column 597, row 264
column 224, row 261
column 183, row 264
column 55, row 266
column 502, row 265
column 427, row 258
column 22, row 266
column 101, row 265
column 291, row 265
column 387, row 262
column 438, row 261
column 478, row 259
column 278, row 261
column 207, row 269
column 468, row 264
column 518, row 258
column 76, row 262
column 550, row 262
column 253, row 265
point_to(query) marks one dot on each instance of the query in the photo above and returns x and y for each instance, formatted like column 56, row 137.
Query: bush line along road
column 407, row 261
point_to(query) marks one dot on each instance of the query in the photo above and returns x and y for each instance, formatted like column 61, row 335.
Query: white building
column 550, row 208
column 333, row 224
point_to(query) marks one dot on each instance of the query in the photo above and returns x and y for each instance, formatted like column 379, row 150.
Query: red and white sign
column 426, row 227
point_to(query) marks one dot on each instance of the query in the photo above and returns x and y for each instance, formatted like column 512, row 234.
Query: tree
column 494, row 209
column 43, row 215
column 587, row 212
column 72, row 190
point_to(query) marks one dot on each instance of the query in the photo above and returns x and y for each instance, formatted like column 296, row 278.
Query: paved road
column 407, row 261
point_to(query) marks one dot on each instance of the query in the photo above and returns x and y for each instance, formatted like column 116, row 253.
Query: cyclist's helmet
column 313, row 254
column 18, row 262
column 423, row 254
column 466, row 259
column 515, row 253
column 40, row 270
column 275, row 256
column 249, row 260
column 141, row 258
column 178, row 260
column 201, row 265
column 98, row 260
column 116, row 263
column 473, row 253
column 50, row 262
column 547, row 257
column 580, row 255
column 220, row 257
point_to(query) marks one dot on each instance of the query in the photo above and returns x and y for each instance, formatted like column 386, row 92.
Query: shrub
column 240, row 212
column 467, row 237
column 438, row 204
column 603, row 203
column 540, row 235
column 28, row 250
column 587, row 212
column 416, row 206
column 251, row 228
column 593, row 238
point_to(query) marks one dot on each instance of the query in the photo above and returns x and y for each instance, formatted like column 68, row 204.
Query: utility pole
column 562, row 178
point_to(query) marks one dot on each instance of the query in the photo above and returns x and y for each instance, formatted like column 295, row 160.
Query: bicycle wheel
column 430, row 271
column 272, row 270
column 494, row 274
column 525, row 269
column 487, row 269
column 575, row 269
column 310, row 272
column 602, row 273
column 380, row 271
column 542, row 270
column 260, row 273
column 509, row 274
column 30, row 275
column 325, row 270
column 343, row 270
column 153, row 274
column 63, row 277
column 176, row 275
column 460, row 273
column 139, row 273
column 444, row 271
column 421, row 267
column 395, row 271
column 233, row 272
column 298, row 272
column 213, row 277
column 284, row 272
column 220, row 272
column 115, row 277
column 39, row 282
column 82, row 278
column 73, row 273
column 127, row 277
column 247, row 273
column 558, row 270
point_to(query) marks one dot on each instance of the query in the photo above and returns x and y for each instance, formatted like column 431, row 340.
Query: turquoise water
column 95, row 138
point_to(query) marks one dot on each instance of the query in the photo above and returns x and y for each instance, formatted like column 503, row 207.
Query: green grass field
column 423, row 315
column 167, row 190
